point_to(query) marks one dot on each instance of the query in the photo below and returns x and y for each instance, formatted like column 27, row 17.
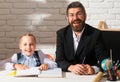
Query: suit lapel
column 70, row 44
column 82, row 42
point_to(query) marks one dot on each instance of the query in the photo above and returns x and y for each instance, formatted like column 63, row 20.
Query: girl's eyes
column 25, row 44
column 28, row 44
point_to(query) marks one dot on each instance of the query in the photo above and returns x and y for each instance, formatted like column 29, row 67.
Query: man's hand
column 82, row 69
column 90, row 70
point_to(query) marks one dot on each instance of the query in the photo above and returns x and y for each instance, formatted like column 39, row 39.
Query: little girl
column 28, row 57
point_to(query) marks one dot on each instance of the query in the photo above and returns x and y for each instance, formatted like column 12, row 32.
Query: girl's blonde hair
column 27, row 34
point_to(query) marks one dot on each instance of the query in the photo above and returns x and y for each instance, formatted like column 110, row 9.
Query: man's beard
column 77, row 28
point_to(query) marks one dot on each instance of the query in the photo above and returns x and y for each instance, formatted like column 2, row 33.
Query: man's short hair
column 75, row 4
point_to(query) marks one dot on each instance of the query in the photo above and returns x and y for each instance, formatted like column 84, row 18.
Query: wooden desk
column 67, row 77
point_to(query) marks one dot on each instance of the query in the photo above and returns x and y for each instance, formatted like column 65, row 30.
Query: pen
column 118, row 66
column 117, row 62
column 83, row 60
column 40, row 70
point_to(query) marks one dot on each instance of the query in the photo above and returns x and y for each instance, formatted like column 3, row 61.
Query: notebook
column 34, row 71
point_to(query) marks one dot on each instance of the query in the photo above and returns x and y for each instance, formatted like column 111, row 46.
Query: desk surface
column 67, row 77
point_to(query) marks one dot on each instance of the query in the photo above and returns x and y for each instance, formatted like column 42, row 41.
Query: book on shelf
column 34, row 71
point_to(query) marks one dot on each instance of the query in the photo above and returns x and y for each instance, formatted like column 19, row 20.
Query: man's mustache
column 78, row 21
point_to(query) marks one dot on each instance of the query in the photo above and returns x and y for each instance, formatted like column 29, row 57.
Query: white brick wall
column 44, row 17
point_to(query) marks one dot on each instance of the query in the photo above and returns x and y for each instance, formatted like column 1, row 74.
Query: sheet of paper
column 54, row 73
column 28, row 72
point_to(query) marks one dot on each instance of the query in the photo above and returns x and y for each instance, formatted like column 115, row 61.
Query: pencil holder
column 111, row 74
column 118, row 73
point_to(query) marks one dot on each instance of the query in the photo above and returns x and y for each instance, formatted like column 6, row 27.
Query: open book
column 34, row 71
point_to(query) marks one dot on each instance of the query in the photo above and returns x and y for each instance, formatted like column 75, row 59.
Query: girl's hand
column 20, row 66
column 43, row 67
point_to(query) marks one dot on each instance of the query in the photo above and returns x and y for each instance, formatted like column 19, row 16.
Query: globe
column 103, row 64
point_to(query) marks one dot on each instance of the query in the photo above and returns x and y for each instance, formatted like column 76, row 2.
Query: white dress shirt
column 76, row 40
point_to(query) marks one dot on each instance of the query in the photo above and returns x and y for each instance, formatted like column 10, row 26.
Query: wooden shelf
column 110, row 29
column 101, row 26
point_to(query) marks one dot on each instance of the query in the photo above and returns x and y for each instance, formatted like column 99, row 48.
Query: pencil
column 83, row 60
column 111, row 55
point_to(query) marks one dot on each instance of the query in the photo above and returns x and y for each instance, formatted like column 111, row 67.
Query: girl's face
column 27, row 45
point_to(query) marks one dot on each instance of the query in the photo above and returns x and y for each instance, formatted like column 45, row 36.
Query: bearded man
column 79, row 47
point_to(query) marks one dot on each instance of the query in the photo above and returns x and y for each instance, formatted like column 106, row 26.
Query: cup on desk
column 111, row 74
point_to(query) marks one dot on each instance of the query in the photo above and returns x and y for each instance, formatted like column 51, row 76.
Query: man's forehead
column 75, row 10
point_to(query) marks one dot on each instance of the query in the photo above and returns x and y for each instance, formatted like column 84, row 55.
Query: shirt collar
column 26, row 56
column 79, row 35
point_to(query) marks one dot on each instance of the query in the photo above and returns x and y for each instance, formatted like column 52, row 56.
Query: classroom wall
column 44, row 17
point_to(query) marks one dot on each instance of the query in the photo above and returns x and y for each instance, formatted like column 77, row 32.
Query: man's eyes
column 77, row 14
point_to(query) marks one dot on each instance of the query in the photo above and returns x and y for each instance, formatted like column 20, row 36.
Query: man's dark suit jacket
column 90, row 46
